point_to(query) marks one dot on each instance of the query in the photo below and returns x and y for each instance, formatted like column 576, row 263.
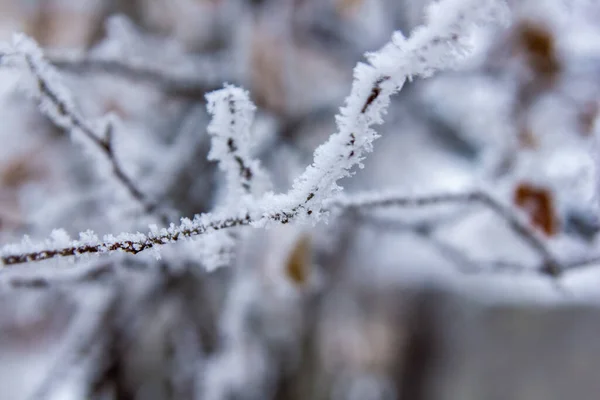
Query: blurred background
column 426, row 303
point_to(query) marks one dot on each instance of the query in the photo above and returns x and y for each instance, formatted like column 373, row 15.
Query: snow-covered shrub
column 191, row 197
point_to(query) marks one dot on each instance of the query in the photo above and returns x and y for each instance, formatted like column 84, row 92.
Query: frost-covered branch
column 231, row 146
column 437, row 45
column 60, row 245
column 550, row 265
column 56, row 103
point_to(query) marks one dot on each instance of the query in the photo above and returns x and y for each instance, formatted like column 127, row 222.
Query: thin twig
column 426, row 231
column 550, row 265
column 104, row 144
column 230, row 128
column 132, row 244
column 170, row 84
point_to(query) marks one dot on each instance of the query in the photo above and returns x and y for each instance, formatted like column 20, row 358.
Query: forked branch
column 55, row 101
column 436, row 46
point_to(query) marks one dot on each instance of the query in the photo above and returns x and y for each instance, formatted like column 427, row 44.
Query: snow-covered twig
column 203, row 224
column 550, row 264
column 132, row 243
column 231, row 145
column 437, row 45
column 56, row 103
column 378, row 200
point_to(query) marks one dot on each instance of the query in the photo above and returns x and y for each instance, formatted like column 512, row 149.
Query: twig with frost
column 463, row 261
column 437, row 45
column 56, row 103
column 232, row 142
column 231, row 145
column 550, row 265
column 426, row 231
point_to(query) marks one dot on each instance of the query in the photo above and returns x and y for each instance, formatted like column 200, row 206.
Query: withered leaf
column 538, row 45
column 19, row 171
column 299, row 261
column 538, row 203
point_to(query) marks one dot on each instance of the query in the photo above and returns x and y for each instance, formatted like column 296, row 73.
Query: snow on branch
column 231, row 145
column 56, row 103
column 549, row 264
column 60, row 245
column 437, row 45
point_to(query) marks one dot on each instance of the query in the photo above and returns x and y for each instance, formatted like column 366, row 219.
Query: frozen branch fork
column 438, row 45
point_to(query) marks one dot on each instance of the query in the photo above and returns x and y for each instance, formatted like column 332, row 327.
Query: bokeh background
column 426, row 303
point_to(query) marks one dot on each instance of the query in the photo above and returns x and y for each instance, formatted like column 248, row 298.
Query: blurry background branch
column 192, row 87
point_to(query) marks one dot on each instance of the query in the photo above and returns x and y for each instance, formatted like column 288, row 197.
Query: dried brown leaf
column 19, row 171
column 299, row 261
column 538, row 203
column 537, row 43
